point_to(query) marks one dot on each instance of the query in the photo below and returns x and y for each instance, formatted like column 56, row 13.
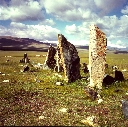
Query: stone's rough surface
column 59, row 64
column 125, row 108
column 50, row 62
column 68, row 58
column 97, row 56
column 25, row 59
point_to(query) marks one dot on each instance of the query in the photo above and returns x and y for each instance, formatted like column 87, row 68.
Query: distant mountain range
column 25, row 44
column 16, row 44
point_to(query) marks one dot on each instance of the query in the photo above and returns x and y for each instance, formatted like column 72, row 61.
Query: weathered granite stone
column 97, row 56
column 68, row 58
column 125, row 108
column 50, row 62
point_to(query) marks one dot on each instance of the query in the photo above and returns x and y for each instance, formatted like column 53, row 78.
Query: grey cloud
column 106, row 6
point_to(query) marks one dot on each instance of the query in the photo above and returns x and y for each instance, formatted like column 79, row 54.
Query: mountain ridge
column 9, row 43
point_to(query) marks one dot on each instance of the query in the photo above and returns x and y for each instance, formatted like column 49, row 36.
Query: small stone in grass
column 59, row 83
column 63, row 110
column 89, row 121
column 5, row 80
column 99, row 101
column 41, row 117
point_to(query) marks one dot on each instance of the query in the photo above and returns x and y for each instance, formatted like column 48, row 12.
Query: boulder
column 119, row 76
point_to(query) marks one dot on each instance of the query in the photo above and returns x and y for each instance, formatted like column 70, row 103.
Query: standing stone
column 50, row 62
column 25, row 59
column 85, row 68
column 97, row 56
column 68, row 58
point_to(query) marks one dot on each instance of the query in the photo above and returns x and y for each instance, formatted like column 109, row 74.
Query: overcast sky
column 42, row 20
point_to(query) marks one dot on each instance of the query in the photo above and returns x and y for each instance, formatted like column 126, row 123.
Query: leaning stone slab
column 97, row 56
column 68, row 58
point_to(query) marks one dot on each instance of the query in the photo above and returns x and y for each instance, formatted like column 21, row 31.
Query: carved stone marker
column 97, row 56
column 68, row 58
column 50, row 62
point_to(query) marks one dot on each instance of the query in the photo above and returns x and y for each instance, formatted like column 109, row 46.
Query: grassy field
column 32, row 98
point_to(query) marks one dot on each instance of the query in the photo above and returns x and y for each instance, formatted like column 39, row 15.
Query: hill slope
column 14, row 43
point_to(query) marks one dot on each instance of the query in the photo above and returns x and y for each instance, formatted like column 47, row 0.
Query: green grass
column 27, row 102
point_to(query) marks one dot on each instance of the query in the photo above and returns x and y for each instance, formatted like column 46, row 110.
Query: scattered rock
column 124, row 70
column 41, row 117
column 89, row 121
column 38, row 66
column 99, row 101
column 91, row 93
column 25, row 68
column 63, row 110
column 6, row 81
column 7, row 60
column 59, row 83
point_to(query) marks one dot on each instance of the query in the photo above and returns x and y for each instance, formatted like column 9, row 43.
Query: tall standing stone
column 50, row 62
column 97, row 56
column 68, row 59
